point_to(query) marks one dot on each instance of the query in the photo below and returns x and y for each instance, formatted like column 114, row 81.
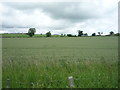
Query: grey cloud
column 61, row 26
column 15, row 24
column 12, row 26
column 71, row 11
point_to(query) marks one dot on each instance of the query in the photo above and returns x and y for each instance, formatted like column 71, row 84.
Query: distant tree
column 31, row 32
column 48, row 34
column 69, row 35
column 64, row 35
column 111, row 33
column 117, row 34
column 94, row 34
column 74, row 36
column 61, row 35
column 99, row 33
column 80, row 33
column 85, row 34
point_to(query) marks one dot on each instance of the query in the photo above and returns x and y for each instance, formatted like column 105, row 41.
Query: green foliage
column 99, row 33
column 94, row 34
column 111, row 33
column 48, row 34
column 85, row 34
column 117, row 34
column 31, row 32
column 69, row 35
column 25, row 35
column 80, row 33
column 48, row 62
column 62, row 35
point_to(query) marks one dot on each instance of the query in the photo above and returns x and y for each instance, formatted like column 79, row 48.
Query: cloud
column 60, row 17
column 71, row 11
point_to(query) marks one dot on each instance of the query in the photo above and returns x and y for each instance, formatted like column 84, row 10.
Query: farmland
column 23, row 35
column 48, row 62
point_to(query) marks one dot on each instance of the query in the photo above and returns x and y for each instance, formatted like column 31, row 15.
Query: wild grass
column 48, row 62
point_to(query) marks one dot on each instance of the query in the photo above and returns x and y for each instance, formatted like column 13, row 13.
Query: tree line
column 31, row 32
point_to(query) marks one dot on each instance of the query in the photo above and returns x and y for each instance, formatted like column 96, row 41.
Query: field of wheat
column 48, row 62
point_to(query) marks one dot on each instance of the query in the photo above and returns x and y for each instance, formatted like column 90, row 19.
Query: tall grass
column 47, row 62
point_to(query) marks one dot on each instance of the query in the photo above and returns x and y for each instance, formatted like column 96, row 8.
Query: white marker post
column 71, row 81
column 8, row 83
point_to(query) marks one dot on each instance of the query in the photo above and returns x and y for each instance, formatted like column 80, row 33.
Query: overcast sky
column 59, row 17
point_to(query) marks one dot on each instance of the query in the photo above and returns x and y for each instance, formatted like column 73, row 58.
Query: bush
column 69, row 35
column 48, row 34
column 93, row 34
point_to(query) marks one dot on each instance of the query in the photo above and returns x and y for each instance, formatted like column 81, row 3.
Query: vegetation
column 48, row 62
column 48, row 34
column 70, row 35
column 80, row 33
column 94, row 34
column 99, row 33
column 85, row 34
column 13, row 35
column 31, row 32
column 111, row 33
column 23, row 35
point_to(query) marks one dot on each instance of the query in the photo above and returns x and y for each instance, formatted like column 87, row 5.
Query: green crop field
column 48, row 62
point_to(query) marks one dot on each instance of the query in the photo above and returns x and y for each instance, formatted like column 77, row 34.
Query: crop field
column 48, row 62
column 25, row 36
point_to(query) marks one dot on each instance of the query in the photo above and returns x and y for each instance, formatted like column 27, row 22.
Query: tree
column 99, row 33
column 31, row 32
column 69, row 35
column 117, row 34
column 85, row 34
column 64, row 35
column 48, row 34
column 111, row 33
column 80, row 33
column 61, row 35
column 94, row 34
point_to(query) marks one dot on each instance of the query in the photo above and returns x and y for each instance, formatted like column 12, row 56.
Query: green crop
column 48, row 62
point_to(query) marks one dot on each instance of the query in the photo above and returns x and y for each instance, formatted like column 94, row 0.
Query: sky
column 59, row 17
